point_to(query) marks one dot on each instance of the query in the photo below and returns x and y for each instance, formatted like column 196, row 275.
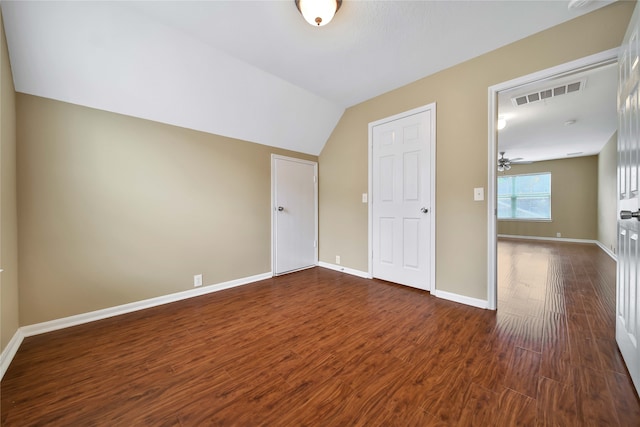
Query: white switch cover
column 364, row 197
column 478, row 194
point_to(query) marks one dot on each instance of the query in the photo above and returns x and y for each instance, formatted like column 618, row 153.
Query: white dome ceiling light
column 577, row 4
column 318, row 12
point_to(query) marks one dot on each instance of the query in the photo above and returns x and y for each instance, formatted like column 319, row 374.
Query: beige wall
column 460, row 94
column 115, row 209
column 574, row 200
column 607, row 197
column 8, row 215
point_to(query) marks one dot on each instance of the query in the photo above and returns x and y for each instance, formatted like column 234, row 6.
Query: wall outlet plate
column 338, row 259
column 197, row 280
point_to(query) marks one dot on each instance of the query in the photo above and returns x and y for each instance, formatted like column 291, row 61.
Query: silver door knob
column 629, row 215
column 280, row 208
column 424, row 210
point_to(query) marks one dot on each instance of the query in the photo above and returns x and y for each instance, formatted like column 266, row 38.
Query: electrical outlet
column 558, row 234
column 338, row 259
column 197, row 280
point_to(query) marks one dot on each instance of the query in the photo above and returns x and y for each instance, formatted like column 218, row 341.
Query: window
column 525, row 197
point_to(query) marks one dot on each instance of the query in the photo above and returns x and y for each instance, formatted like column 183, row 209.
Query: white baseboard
column 40, row 328
column 550, row 239
column 10, row 351
column 343, row 269
column 563, row 239
column 65, row 322
column 607, row 250
column 474, row 302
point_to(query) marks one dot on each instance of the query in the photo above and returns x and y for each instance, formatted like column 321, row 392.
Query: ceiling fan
column 504, row 164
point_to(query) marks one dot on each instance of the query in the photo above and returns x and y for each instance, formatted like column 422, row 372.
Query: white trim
column 492, row 209
column 10, row 351
column 79, row 319
column 432, row 208
column 474, row 302
column 53, row 325
column 273, row 207
column 608, row 55
column 607, row 250
column 550, row 239
column 344, row 269
column 562, row 239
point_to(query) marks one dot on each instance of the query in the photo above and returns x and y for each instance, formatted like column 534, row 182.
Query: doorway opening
column 561, row 73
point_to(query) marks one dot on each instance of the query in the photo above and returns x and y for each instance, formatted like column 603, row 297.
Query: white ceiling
column 571, row 125
column 252, row 70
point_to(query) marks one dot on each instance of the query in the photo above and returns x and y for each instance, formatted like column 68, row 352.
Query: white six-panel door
column 628, row 278
column 294, row 204
column 401, row 199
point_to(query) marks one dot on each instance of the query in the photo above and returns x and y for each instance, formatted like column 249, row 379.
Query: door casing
column 557, row 71
column 432, row 202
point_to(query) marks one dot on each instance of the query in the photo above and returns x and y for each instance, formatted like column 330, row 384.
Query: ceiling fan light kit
column 318, row 12
column 504, row 164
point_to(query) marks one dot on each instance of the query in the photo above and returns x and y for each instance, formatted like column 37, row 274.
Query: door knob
column 424, row 210
column 629, row 215
column 280, row 208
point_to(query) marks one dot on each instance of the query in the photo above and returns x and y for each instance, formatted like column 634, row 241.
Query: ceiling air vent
column 548, row 93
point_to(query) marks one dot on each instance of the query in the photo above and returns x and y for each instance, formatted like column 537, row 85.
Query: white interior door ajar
column 628, row 295
column 401, row 199
column 295, row 208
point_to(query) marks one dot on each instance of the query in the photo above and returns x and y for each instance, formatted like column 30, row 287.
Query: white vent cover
column 551, row 92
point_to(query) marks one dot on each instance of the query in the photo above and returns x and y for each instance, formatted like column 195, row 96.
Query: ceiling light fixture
column 318, row 12
column 502, row 123
column 577, row 4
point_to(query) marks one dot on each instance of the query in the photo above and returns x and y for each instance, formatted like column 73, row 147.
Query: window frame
column 514, row 197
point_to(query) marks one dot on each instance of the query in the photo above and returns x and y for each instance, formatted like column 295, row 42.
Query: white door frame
column 432, row 202
column 274, row 157
column 557, row 71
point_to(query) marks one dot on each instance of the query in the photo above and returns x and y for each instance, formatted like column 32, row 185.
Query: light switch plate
column 478, row 194
column 364, row 198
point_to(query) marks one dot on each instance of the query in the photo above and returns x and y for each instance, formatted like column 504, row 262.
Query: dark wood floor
column 322, row 348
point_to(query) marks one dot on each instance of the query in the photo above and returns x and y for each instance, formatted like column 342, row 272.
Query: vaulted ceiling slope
column 252, row 70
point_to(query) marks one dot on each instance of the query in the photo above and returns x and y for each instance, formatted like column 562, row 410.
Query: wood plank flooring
column 322, row 348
